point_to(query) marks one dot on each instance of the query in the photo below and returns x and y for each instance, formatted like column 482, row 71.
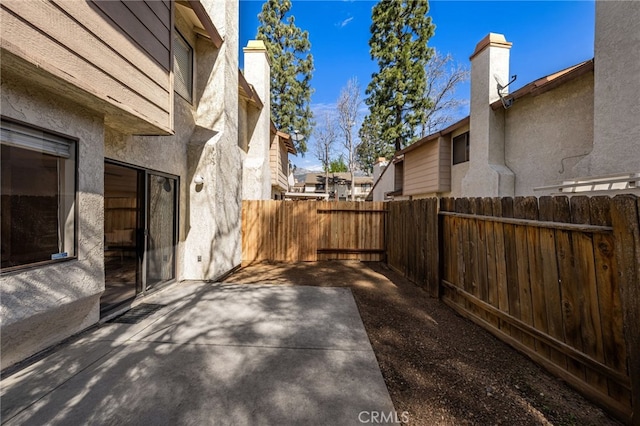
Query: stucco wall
column 205, row 143
column 213, row 216
column 547, row 135
column 616, row 138
column 487, row 175
column 44, row 305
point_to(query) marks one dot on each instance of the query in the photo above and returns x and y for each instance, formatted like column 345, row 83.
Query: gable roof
column 436, row 135
column 548, row 82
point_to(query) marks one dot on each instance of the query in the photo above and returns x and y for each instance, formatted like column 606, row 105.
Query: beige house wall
column 44, row 305
column 616, row 122
column 547, row 135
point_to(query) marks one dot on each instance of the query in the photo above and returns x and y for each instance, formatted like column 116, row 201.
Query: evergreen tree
column 371, row 147
column 338, row 165
column 288, row 48
column 396, row 94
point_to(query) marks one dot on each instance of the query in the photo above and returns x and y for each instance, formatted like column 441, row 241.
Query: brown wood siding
column 76, row 43
column 421, row 172
column 278, row 160
column 444, row 157
column 139, row 21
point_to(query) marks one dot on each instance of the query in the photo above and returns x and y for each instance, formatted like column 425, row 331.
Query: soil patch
column 439, row 367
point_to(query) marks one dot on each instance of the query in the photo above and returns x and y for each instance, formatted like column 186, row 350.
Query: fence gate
column 306, row 231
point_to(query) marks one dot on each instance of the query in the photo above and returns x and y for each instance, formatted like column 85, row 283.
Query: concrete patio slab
column 214, row 354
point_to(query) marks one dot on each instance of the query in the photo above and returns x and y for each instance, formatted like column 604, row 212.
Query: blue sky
column 547, row 36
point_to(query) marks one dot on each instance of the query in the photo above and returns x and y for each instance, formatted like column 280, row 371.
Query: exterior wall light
column 198, row 180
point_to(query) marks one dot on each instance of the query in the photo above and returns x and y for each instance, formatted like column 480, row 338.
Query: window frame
column 467, row 156
column 180, row 38
column 75, row 151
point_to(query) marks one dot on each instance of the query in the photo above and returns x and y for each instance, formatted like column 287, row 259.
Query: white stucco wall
column 616, row 135
column 547, row 135
column 214, row 210
column 44, row 305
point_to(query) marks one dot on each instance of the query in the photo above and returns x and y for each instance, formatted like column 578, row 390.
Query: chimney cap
column 255, row 46
column 491, row 40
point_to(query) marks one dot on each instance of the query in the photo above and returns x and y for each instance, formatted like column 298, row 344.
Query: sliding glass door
column 139, row 232
column 160, row 256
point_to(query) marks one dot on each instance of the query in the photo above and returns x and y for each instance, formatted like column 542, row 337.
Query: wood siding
column 118, row 52
column 279, row 164
column 427, row 169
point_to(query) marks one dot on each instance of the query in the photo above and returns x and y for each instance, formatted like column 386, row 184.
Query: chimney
column 488, row 176
column 616, row 133
column 256, row 174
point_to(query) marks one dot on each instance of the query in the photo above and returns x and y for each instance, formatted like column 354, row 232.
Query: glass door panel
column 161, row 239
column 122, row 224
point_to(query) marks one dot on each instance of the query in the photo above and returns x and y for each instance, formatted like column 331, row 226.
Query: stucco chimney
column 487, row 174
column 616, row 133
column 256, row 175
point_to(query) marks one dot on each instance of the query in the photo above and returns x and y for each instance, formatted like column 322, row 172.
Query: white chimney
column 488, row 176
column 256, row 174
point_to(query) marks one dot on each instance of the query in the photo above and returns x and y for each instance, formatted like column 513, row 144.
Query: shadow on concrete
column 215, row 354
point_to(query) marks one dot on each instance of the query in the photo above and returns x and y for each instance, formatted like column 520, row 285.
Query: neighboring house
column 121, row 157
column 572, row 131
column 339, row 187
column 281, row 147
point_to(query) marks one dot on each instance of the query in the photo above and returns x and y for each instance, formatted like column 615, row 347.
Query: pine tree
column 371, row 147
column 395, row 96
column 288, row 48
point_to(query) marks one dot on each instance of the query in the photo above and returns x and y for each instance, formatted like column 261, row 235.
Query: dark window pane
column 461, row 148
column 29, row 206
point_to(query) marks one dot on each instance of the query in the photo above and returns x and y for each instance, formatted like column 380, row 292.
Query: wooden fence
column 555, row 277
column 412, row 242
column 306, row 231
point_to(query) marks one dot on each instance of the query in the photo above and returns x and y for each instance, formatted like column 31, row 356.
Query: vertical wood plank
column 552, row 296
column 609, row 297
column 490, row 260
column 501, row 263
column 625, row 219
column 568, row 284
column 511, row 264
column 521, row 210
column 590, row 327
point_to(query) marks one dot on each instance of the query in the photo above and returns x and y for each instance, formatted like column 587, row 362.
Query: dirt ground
column 439, row 367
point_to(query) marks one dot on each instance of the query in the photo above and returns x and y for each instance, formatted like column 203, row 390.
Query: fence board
column 552, row 298
column 590, row 328
column 625, row 218
column 555, row 277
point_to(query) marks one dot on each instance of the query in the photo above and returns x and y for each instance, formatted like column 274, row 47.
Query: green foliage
column 395, row 96
column 371, row 147
column 288, row 48
column 338, row 165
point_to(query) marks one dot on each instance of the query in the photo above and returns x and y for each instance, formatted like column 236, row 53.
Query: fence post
column 626, row 230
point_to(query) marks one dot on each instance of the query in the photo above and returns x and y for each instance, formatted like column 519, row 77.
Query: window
column 182, row 66
column 38, row 195
column 461, row 148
